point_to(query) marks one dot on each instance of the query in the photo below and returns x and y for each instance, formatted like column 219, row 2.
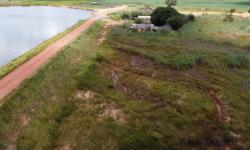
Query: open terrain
column 133, row 91
column 240, row 5
column 194, row 4
column 116, row 89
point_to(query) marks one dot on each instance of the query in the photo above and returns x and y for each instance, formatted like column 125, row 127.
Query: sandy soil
column 200, row 13
column 11, row 81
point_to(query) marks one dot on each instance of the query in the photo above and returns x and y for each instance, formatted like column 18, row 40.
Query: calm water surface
column 23, row 28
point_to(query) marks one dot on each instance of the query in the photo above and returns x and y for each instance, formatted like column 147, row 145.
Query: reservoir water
column 23, row 28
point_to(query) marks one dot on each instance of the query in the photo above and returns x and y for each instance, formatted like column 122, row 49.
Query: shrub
column 182, row 62
column 161, row 14
column 115, row 16
column 191, row 17
column 135, row 14
column 99, row 58
column 125, row 16
column 249, row 11
column 2, row 147
column 186, row 61
column 138, row 21
column 237, row 61
column 171, row 3
column 232, row 10
column 176, row 22
column 139, row 141
column 228, row 18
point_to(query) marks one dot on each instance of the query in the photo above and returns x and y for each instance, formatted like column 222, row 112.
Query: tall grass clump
column 184, row 62
column 2, row 147
column 138, row 141
column 88, row 79
column 228, row 18
column 237, row 61
column 233, row 10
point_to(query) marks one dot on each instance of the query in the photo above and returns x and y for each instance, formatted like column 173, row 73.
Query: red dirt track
column 12, row 80
column 17, row 76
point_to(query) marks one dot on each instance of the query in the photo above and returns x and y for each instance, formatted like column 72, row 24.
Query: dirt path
column 11, row 81
column 200, row 13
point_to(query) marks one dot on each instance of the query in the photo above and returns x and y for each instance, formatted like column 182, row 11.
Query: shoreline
column 20, row 73
column 13, row 64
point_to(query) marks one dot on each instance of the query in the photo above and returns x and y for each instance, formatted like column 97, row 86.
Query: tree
column 176, row 22
column 161, row 14
column 171, row 3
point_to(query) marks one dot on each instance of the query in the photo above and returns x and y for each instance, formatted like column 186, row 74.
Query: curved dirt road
column 12, row 80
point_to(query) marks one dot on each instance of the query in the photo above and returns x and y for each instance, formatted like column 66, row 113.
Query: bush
column 237, row 61
column 186, row 61
column 249, row 11
column 125, row 16
column 138, row 21
column 182, row 62
column 2, row 147
column 233, row 10
column 228, row 18
column 135, row 14
column 139, row 141
column 191, row 17
column 115, row 16
column 161, row 14
column 99, row 58
column 176, row 22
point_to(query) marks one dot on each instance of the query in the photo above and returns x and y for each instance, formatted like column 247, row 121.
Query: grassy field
column 20, row 60
column 134, row 91
column 213, row 28
column 33, row 114
column 191, row 4
column 241, row 5
column 188, row 89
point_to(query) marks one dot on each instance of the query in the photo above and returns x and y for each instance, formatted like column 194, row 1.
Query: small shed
column 145, row 19
column 95, row 3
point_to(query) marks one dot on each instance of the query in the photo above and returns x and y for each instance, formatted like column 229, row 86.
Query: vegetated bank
column 32, row 116
column 25, row 57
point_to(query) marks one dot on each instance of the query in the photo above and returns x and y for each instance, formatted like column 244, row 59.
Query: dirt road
column 11, row 81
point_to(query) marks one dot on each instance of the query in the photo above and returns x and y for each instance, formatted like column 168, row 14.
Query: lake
column 23, row 28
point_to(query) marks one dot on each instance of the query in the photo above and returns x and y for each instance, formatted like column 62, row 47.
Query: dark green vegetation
column 161, row 14
column 169, row 16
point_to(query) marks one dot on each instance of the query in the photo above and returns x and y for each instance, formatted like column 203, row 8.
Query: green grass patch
column 237, row 61
column 214, row 28
column 46, row 97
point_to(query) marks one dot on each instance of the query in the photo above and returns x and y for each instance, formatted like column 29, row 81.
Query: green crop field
column 215, row 4
column 242, row 5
